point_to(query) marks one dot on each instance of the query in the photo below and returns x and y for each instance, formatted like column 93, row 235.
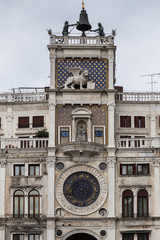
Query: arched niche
column 81, row 234
column 81, row 125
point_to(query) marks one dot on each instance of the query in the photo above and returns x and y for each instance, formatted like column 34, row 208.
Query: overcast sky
column 24, row 58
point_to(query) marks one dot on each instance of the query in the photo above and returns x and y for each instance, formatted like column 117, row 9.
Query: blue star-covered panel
column 98, row 70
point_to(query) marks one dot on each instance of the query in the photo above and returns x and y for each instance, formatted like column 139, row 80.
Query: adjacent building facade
column 97, row 174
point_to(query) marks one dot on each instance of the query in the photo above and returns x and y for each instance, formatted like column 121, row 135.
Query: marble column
column 111, row 139
column 2, row 234
column 111, row 184
column 51, row 185
column 111, row 69
column 111, row 231
column 2, row 188
column 156, row 195
column 52, row 119
column 51, row 230
column 52, row 70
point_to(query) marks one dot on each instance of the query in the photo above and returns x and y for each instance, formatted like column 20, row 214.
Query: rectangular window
column 34, row 170
column 127, row 169
column 19, row 170
column 128, row 236
column 33, row 237
column 125, row 121
column 99, row 135
column 0, row 124
column 139, row 122
column 142, row 169
column 18, row 237
column 23, row 122
column 143, row 236
column 64, row 135
column 38, row 121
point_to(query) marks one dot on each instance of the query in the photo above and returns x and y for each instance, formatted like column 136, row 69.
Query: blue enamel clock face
column 81, row 189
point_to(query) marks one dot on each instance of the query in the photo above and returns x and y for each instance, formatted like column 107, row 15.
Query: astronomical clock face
column 81, row 190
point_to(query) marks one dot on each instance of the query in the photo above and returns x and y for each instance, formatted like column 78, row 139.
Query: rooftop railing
column 23, row 97
column 138, row 97
column 82, row 40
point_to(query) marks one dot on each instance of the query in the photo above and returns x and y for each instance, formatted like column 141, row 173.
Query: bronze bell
column 83, row 24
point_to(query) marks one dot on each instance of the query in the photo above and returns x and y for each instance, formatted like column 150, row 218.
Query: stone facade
column 97, row 174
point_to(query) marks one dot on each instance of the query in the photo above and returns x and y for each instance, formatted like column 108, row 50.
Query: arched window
column 18, row 204
column 127, row 203
column 34, row 202
column 142, row 203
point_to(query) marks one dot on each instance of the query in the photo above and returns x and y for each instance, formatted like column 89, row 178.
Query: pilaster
column 52, row 69
column 111, row 68
column 52, row 118
column 156, row 199
column 51, row 230
column 51, row 185
column 2, row 188
column 111, row 184
column 2, row 234
column 111, row 119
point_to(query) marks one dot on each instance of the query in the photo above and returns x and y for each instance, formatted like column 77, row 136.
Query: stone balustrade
column 14, row 143
column 85, row 40
column 19, row 143
column 138, row 143
column 23, row 97
column 138, row 97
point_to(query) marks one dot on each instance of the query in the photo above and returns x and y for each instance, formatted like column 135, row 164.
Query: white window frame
column 104, row 132
column 59, row 133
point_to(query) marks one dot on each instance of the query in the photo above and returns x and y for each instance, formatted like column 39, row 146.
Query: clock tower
column 81, row 153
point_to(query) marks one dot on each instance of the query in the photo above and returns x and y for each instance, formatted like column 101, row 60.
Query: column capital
column 51, row 161
column 3, row 163
column 52, row 105
column 156, row 162
column 111, row 161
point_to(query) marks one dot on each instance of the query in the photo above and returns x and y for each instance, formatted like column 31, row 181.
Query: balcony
column 128, row 143
column 81, row 149
column 19, row 143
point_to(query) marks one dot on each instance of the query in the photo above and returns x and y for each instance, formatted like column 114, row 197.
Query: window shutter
column 0, row 123
column 122, row 121
column 38, row 121
column 23, row 122
column 136, row 122
column 134, row 169
column 159, row 121
column 143, row 122
column 128, row 121
column 120, row 169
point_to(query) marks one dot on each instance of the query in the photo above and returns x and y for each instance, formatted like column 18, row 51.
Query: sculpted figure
column 81, row 134
column 100, row 30
column 66, row 27
column 80, row 78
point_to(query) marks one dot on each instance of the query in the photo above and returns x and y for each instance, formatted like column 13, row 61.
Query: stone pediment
column 81, row 112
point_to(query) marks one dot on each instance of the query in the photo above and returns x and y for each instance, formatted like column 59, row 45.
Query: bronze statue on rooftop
column 66, row 27
column 100, row 30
